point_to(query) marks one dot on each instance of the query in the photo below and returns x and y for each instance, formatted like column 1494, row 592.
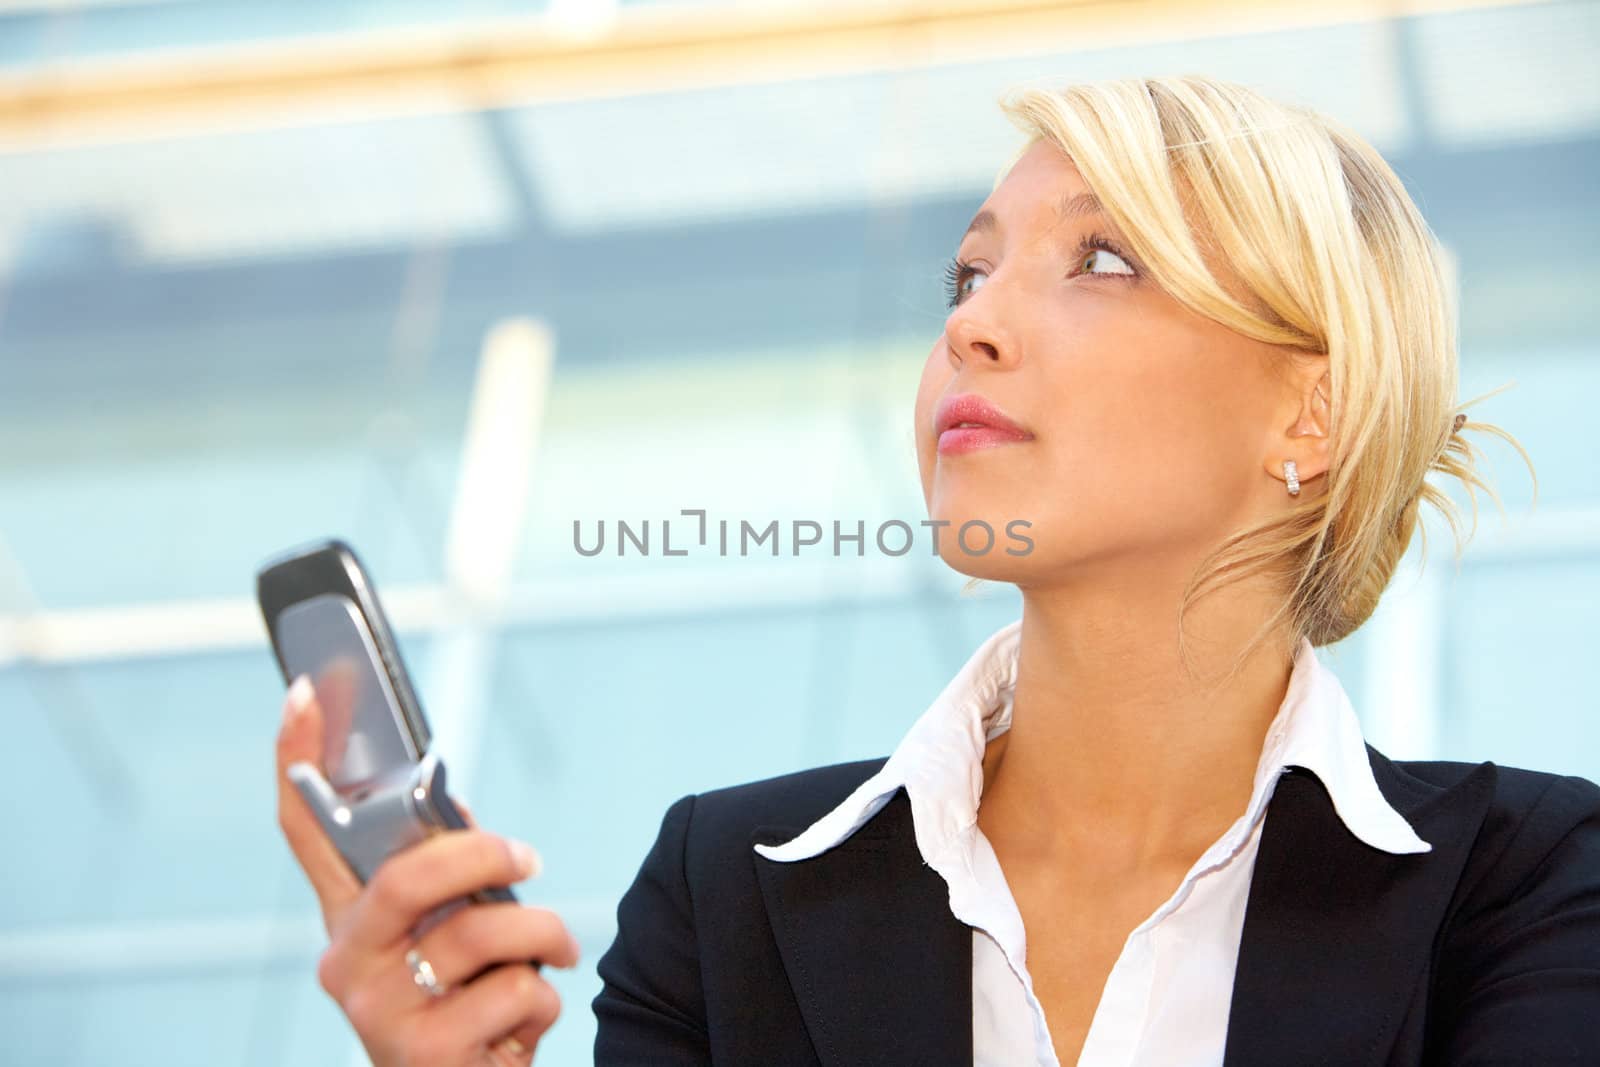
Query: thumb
column 300, row 740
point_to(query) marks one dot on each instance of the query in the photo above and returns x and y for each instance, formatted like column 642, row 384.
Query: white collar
column 940, row 762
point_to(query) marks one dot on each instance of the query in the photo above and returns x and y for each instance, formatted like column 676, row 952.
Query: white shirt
column 1166, row 999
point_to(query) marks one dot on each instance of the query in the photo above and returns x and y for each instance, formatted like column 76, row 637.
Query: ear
column 1301, row 433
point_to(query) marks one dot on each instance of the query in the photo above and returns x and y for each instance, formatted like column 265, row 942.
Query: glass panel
column 1513, row 636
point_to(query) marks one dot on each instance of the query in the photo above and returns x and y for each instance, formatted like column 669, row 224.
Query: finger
column 480, row 936
column 300, row 739
column 522, row 1040
column 418, row 879
column 519, row 1045
column 514, row 1050
column 510, row 1001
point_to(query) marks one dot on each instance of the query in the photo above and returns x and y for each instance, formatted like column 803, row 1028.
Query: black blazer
column 1485, row 950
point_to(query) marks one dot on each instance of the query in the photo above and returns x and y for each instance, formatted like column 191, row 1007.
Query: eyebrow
column 1070, row 207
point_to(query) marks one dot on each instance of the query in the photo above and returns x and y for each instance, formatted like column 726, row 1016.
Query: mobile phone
column 383, row 789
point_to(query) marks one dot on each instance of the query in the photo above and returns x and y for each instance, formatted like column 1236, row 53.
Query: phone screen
column 365, row 740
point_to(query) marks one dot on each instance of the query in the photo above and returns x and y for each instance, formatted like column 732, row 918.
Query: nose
column 973, row 331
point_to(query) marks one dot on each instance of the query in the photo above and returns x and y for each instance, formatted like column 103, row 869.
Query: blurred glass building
column 266, row 275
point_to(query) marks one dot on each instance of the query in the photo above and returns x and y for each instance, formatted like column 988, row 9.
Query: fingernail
column 525, row 860
column 577, row 950
column 300, row 694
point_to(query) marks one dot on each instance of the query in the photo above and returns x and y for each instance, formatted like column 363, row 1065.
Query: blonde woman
column 1201, row 344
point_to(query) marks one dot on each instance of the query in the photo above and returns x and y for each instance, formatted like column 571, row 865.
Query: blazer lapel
column 1336, row 933
column 880, row 967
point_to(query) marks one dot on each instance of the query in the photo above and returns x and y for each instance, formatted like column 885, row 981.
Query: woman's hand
column 491, row 1018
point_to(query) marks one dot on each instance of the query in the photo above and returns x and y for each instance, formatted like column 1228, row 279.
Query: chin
column 985, row 543
column 994, row 567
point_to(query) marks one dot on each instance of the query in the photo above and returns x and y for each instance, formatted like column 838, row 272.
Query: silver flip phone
column 383, row 790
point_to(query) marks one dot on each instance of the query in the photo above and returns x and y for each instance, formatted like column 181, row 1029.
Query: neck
column 1122, row 743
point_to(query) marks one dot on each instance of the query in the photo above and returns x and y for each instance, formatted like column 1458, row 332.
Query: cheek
column 1108, row 401
column 936, row 375
column 1148, row 432
column 1179, row 417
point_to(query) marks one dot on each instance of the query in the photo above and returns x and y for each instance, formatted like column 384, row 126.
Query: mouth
column 968, row 422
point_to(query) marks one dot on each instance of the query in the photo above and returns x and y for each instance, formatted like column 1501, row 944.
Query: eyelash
column 958, row 270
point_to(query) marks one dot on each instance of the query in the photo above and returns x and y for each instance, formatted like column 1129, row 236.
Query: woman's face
column 1136, row 427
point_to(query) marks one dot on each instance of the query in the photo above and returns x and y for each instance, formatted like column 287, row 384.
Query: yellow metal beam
column 523, row 61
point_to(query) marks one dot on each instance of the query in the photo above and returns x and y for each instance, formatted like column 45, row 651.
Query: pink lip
column 991, row 425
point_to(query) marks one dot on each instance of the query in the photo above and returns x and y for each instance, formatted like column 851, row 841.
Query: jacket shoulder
column 796, row 799
column 690, row 956
column 1517, row 964
column 1518, row 791
column 1538, row 829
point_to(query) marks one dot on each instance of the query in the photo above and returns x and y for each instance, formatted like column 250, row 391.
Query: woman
column 1201, row 345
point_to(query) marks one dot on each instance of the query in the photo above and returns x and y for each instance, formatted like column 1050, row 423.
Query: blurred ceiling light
column 636, row 47
column 582, row 19
column 497, row 458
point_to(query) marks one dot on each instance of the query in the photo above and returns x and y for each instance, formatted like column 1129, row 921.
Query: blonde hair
column 1334, row 258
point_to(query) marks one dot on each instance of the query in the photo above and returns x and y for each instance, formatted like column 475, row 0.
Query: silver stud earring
column 1291, row 474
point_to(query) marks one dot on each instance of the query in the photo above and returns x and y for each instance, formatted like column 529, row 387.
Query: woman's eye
column 1098, row 257
column 961, row 281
